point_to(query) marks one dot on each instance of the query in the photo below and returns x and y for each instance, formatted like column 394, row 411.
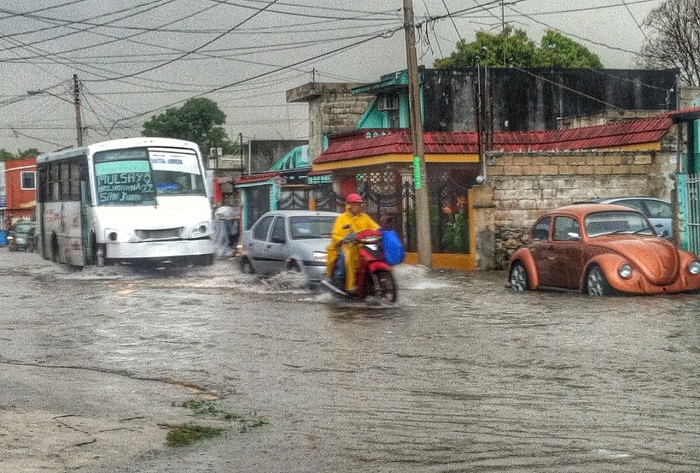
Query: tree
column 27, row 153
column 198, row 120
column 5, row 155
column 674, row 39
column 512, row 48
column 556, row 50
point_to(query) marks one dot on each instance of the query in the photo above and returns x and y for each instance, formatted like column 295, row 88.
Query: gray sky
column 135, row 58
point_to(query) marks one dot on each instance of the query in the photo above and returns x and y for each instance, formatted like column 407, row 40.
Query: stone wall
column 520, row 187
column 333, row 108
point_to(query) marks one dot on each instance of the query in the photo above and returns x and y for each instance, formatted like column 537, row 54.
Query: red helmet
column 353, row 199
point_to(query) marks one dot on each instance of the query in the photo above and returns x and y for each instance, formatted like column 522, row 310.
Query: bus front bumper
column 149, row 250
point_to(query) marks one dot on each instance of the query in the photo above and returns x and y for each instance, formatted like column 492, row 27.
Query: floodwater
column 461, row 376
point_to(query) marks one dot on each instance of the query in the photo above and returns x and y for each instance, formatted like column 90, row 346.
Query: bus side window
column 54, row 182
column 74, row 189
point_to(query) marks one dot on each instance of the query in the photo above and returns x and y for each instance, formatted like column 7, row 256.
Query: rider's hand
column 350, row 237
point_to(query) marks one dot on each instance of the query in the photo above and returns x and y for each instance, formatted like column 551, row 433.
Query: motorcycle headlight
column 320, row 256
column 694, row 267
column 625, row 271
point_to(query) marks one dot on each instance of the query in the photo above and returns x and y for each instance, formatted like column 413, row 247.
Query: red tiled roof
column 261, row 177
column 367, row 143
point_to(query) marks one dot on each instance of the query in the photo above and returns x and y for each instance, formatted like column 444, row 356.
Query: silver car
column 288, row 240
column 658, row 211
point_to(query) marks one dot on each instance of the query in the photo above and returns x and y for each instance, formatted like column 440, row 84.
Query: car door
column 566, row 252
column 540, row 247
column 276, row 247
column 257, row 246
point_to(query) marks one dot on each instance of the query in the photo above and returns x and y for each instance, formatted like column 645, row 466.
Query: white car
column 288, row 240
column 658, row 211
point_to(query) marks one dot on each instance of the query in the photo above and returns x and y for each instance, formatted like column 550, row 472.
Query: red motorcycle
column 374, row 278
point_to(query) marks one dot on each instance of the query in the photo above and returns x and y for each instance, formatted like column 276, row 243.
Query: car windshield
column 615, row 222
column 311, row 227
column 23, row 227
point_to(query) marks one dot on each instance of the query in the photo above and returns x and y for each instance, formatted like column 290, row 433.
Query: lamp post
column 75, row 102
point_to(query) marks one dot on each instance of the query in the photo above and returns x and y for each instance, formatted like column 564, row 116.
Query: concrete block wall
column 334, row 111
column 520, row 187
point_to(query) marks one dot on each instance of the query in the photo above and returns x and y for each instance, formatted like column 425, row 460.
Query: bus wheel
column 54, row 249
column 99, row 257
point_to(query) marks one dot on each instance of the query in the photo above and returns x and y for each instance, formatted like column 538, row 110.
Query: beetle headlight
column 320, row 256
column 694, row 267
column 625, row 271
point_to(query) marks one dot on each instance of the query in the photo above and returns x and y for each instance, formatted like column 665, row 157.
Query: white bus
column 135, row 200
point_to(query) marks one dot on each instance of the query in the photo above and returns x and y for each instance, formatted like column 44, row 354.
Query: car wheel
column 596, row 284
column 293, row 266
column 246, row 266
column 519, row 280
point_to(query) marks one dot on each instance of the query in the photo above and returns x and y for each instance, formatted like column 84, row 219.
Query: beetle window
column 608, row 223
column 564, row 226
column 541, row 229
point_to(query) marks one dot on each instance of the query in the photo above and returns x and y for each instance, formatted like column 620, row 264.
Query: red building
column 20, row 189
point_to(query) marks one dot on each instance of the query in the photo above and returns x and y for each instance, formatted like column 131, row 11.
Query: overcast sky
column 135, row 58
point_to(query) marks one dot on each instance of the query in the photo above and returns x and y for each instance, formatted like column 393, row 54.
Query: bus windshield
column 135, row 176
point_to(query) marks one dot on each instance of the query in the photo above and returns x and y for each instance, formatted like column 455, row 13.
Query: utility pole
column 419, row 170
column 76, row 102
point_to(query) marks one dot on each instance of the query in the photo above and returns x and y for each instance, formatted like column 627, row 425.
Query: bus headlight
column 694, row 267
column 119, row 236
column 320, row 256
column 200, row 231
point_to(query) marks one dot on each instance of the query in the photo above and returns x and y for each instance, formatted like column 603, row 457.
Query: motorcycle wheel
column 384, row 286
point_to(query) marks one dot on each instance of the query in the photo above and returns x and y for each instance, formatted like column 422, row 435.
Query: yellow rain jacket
column 357, row 223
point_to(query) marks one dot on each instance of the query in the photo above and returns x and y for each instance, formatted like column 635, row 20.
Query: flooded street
column 461, row 376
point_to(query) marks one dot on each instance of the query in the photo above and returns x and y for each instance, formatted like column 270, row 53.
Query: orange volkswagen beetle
column 601, row 250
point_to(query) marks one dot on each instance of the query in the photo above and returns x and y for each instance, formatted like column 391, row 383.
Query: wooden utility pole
column 76, row 102
column 419, row 170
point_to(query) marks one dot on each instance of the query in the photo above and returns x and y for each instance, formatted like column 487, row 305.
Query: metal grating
column 162, row 234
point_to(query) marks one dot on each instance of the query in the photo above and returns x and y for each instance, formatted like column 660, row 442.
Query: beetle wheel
column 519, row 281
column 596, row 284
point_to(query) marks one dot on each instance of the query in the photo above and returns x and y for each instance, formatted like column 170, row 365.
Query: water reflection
column 461, row 375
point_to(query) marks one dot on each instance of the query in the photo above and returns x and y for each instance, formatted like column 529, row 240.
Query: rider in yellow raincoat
column 357, row 221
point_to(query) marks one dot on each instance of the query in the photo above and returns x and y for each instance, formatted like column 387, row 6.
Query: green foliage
column 209, row 409
column 198, row 120
column 185, row 434
column 512, row 48
column 27, row 153
column 5, row 155
column 556, row 50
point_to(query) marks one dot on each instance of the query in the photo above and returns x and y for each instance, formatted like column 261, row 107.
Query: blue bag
column 393, row 248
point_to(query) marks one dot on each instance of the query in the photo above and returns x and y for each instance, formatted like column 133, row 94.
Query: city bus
column 126, row 201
